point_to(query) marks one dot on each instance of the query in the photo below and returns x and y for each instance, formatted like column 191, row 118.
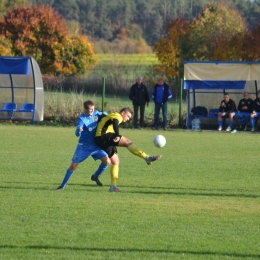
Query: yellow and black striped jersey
column 106, row 123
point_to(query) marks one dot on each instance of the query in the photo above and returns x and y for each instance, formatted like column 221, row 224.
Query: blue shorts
column 243, row 115
column 82, row 153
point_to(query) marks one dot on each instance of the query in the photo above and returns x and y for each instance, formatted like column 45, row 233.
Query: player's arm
column 232, row 107
column 116, row 126
column 100, row 115
column 240, row 106
column 222, row 107
column 79, row 127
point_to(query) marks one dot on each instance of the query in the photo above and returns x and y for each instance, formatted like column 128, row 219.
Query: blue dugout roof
column 14, row 65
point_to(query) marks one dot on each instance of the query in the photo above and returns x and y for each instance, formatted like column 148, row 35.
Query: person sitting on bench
column 227, row 109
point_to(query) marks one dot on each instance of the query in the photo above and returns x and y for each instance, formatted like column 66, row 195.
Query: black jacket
column 256, row 105
column 230, row 106
column 246, row 102
column 139, row 94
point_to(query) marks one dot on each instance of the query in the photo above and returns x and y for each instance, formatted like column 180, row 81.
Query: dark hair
column 127, row 109
column 88, row 103
column 226, row 94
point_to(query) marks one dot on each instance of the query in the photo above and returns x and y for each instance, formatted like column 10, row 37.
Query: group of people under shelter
column 247, row 111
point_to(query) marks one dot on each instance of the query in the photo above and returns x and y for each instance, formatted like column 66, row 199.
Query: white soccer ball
column 159, row 141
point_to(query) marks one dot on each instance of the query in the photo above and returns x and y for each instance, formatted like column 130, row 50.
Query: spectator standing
column 139, row 96
column 160, row 95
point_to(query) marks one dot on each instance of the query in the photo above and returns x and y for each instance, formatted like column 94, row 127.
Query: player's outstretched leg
column 138, row 152
column 149, row 159
column 65, row 180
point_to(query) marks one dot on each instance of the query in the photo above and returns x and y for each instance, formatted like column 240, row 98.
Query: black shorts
column 107, row 143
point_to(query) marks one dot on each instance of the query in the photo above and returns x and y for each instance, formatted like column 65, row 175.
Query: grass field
column 126, row 59
column 200, row 201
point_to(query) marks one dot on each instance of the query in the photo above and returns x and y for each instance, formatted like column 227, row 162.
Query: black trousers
column 141, row 122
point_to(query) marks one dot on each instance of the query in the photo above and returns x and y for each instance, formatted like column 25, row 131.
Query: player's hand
column 78, row 131
column 117, row 139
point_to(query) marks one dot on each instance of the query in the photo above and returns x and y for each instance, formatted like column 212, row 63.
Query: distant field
column 121, row 70
column 126, row 59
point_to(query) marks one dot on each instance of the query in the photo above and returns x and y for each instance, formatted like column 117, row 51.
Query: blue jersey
column 89, row 125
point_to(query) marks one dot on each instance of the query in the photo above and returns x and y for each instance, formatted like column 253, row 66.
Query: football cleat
column 60, row 188
column 98, row 182
column 150, row 159
column 114, row 188
column 220, row 128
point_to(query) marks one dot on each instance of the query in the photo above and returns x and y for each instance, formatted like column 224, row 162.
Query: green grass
column 121, row 70
column 126, row 59
column 200, row 201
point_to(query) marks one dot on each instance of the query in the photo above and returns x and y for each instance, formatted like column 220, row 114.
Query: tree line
column 218, row 32
column 147, row 19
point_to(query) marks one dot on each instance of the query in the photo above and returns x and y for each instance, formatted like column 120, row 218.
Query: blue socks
column 66, row 178
column 102, row 167
column 220, row 123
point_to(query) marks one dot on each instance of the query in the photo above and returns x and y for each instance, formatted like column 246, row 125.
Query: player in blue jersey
column 85, row 130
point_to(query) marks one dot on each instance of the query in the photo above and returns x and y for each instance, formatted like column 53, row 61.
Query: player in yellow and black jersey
column 108, row 138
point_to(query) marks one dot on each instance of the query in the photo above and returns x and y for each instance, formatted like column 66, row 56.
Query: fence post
column 103, row 92
column 180, row 104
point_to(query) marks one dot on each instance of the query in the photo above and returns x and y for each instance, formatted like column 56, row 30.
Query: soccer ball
column 159, row 141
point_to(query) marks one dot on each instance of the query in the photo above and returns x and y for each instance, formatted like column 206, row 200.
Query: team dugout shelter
column 21, row 89
column 206, row 83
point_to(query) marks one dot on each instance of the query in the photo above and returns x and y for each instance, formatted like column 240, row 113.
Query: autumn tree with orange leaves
column 40, row 32
column 218, row 33
column 169, row 50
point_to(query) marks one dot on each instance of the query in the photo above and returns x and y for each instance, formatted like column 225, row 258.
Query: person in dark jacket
column 140, row 97
column 245, row 108
column 160, row 95
column 256, row 111
column 227, row 109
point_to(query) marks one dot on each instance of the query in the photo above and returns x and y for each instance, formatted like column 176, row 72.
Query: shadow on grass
column 140, row 190
column 135, row 250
